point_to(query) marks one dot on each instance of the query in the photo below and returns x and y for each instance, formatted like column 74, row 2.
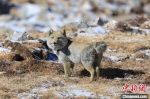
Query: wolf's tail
column 100, row 47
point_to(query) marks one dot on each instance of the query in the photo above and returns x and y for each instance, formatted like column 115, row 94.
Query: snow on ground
column 4, row 50
column 86, row 34
column 40, row 89
column 79, row 93
column 92, row 31
column 28, row 96
column 2, row 73
column 113, row 58
column 99, row 30
column 147, row 52
column 143, row 30
column 148, row 88
column 33, row 41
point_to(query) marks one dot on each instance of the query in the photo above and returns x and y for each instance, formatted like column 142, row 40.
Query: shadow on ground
column 111, row 73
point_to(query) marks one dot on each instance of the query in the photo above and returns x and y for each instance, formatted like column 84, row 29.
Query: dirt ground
column 126, row 62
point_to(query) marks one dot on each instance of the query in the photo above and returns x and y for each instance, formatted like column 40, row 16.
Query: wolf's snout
column 54, row 43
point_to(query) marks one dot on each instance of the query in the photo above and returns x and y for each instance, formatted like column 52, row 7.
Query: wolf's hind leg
column 92, row 72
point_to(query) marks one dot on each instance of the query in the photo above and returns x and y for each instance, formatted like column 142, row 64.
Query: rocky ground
column 30, row 70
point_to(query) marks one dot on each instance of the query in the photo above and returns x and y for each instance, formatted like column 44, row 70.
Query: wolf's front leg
column 67, row 66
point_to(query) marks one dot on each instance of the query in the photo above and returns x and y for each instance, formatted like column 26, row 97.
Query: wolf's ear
column 51, row 31
column 63, row 32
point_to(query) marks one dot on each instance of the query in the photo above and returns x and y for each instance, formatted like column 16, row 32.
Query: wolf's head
column 57, row 39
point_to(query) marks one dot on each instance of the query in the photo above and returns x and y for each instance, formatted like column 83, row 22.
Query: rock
column 99, row 21
column 27, row 50
column 99, row 30
column 5, row 18
column 5, row 6
column 145, row 25
column 38, row 48
column 21, row 36
column 16, row 36
column 86, row 6
column 19, row 49
column 83, row 25
column 133, row 3
column 24, row 37
column 91, row 31
column 40, row 53
column 146, row 8
column 27, row 10
column 111, row 25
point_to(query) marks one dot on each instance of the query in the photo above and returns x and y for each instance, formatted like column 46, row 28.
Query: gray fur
column 70, row 53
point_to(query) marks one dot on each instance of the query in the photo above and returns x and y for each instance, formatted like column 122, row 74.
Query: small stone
column 111, row 25
column 21, row 36
column 83, row 25
column 146, row 8
column 99, row 21
column 16, row 36
column 145, row 25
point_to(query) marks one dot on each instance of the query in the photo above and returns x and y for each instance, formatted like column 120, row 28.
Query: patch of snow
column 42, row 29
column 57, row 62
column 148, row 88
column 30, row 9
column 139, row 59
column 32, row 19
column 15, row 41
column 78, row 93
column 86, row 34
column 143, row 30
column 111, row 50
column 92, row 31
column 147, row 52
column 134, row 27
column 112, row 57
column 33, row 41
column 40, row 89
column 16, row 35
column 14, row 27
column 28, row 96
column 86, row 6
column 4, row 50
column 2, row 73
column 99, row 30
column 122, row 79
column 38, row 49
column 2, row 24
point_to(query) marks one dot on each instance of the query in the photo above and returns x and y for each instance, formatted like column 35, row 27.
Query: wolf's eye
column 52, row 37
column 59, row 38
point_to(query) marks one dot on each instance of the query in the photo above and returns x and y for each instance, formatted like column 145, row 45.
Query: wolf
column 73, row 52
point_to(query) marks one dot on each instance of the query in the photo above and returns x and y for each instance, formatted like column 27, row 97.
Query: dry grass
column 137, row 21
column 140, row 55
column 24, row 76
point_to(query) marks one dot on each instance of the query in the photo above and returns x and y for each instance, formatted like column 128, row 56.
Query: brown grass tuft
column 140, row 55
column 121, row 26
column 137, row 21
